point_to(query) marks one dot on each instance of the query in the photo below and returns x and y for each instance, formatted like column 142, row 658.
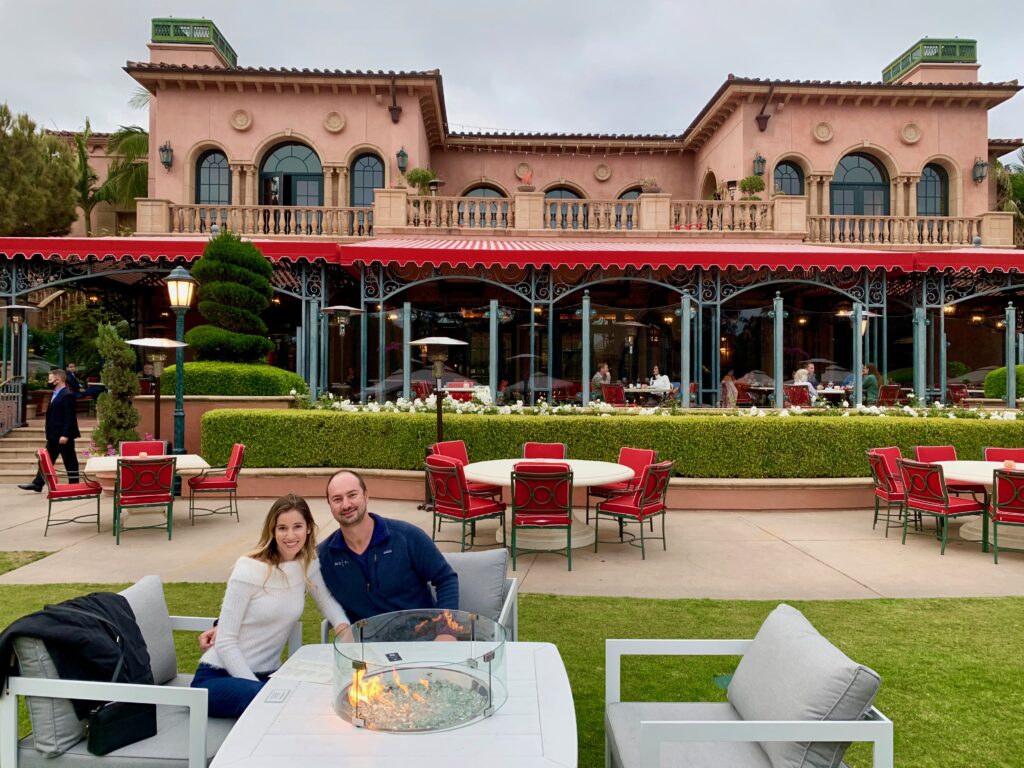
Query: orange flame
column 364, row 691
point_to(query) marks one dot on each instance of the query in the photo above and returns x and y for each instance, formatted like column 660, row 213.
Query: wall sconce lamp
column 403, row 160
column 166, row 155
column 980, row 171
column 759, row 163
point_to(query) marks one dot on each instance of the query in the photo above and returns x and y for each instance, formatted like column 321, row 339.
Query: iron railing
column 12, row 404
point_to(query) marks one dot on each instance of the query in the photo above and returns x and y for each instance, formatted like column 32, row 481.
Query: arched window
column 564, row 215
column 367, row 175
column 483, row 191
column 292, row 175
column 493, row 215
column 627, row 214
column 630, row 194
column 860, row 187
column 933, row 191
column 213, row 179
column 789, row 179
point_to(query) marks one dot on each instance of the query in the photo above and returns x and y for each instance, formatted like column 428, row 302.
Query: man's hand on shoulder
column 207, row 639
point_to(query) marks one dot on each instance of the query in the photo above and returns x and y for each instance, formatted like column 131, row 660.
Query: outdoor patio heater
column 157, row 358
column 437, row 354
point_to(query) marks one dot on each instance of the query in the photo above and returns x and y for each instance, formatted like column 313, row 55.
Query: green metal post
column 778, row 329
column 585, row 375
column 179, row 383
column 364, row 324
column 406, row 351
column 381, row 344
column 685, row 332
column 858, row 354
column 1011, row 356
column 492, row 351
column 533, row 351
column 920, row 351
column 943, row 345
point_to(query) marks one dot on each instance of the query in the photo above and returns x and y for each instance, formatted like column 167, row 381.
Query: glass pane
column 213, row 179
column 367, row 175
column 789, row 179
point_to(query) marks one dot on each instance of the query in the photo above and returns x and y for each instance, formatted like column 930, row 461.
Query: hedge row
column 995, row 382
column 700, row 446
column 238, row 379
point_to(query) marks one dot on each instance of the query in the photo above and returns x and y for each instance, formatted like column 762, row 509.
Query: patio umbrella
column 976, row 376
column 541, row 382
column 757, row 379
column 834, row 374
column 817, row 360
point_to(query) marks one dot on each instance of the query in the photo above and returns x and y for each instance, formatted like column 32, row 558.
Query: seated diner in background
column 800, row 379
column 728, row 392
column 602, row 377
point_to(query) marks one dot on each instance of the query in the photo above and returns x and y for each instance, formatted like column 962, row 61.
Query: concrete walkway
column 723, row 555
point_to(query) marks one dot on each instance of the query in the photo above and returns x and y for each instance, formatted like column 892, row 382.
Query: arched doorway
column 860, row 187
column 292, row 175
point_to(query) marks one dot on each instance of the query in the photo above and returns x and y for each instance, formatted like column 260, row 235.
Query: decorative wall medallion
column 334, row 122
column 241, row 119
column 823, row 132
column 910, row 133
column 602, row 172
column 522, row 170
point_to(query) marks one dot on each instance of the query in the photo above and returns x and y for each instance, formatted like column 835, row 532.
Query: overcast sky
column 590, row 66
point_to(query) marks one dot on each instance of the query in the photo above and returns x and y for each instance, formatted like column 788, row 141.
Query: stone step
column 10, row 454
column 28, row 442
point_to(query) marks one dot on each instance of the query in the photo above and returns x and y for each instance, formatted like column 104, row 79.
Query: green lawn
column 951, row 668
column 11, row 560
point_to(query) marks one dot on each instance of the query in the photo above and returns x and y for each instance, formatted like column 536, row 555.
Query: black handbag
column 115, row 724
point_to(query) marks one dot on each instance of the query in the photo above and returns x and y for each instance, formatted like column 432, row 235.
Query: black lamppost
column 437, row 353
column 180, row 287
column 157, row 358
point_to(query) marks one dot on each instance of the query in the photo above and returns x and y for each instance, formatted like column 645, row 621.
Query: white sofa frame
column 194, row 699
column 875, row 727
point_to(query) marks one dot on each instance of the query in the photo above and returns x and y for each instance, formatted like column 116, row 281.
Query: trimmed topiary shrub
column 234, row 288
column 995, row 382
column 234, row 379
column 700, row 446
column 116, row 415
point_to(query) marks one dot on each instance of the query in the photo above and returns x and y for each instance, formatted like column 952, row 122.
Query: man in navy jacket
column 61, row 430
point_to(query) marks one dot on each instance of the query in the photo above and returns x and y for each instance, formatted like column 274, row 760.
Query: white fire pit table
column 292, row 722
column 585, row 473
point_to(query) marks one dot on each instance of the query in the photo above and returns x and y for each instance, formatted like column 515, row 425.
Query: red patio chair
column 456, row 449
column 743, row 398
column 217, row 480
column 1004, row 454
column 956, row 394
column 544, row 451
column 1007, row 503
column 646, row 501
column 798, row 395
column 636, row 459
column 887, row 488
column 888, row 395
column 421, row 389
column 927, row 494
column 930, row 453
column 140, row 447
column 614, row 394
column 453, row 501
column 143, row 483
column 56, row 492
column 542, row 498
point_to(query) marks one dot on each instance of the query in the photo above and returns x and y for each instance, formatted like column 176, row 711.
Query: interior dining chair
column 646, row 502
column 453, row 502
column 888, row 395
column 614, row 394
column 634, row 458
column 1007, row 503
column 928, row 494
column 544, row 451
column 144, row 484
column 798, row 395
column 542, row 499
column 956, row 394
column 57, row 492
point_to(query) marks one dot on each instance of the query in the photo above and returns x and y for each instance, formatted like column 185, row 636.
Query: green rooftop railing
column 955, row 51
column 195, row 32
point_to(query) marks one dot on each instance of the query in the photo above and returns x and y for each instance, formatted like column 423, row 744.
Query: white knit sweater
column 261, row 603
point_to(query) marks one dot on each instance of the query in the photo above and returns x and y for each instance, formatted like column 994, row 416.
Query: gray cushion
column 622, row 725
column 146, row 598
column 791, row 672
column 481, row 580
column 55, row 726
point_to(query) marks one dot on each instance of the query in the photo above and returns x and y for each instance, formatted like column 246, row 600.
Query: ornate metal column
column 585, row 341
column 492, row 348
column 685, row 310
column 778, row 328
column 920, row 351
column 858, row 354
column 406, row 350
column 1011, row 356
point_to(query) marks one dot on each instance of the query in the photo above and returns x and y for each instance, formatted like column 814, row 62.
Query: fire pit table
column 293, row 721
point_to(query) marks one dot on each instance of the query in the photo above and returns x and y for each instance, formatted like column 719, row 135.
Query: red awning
column 151, row 249
column 974, row 260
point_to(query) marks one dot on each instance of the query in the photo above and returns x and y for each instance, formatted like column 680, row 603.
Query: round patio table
column 980, row 472
column 585, row 473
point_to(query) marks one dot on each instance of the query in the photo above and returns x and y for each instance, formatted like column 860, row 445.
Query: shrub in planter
column 995, row 382
column 233, row 379
column 750, row 186
column 115, row 413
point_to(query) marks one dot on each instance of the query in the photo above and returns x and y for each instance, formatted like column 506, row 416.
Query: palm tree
column 128, row 175
column 1004, row 180
column 87, row 195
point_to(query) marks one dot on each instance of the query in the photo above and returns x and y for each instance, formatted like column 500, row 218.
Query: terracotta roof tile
column 146, row 66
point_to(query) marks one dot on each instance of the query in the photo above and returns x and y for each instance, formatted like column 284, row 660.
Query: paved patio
column 723, row 555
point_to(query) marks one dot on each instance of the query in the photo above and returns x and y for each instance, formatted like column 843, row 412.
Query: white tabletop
column 187, row 463
column 530, row 729
column 971, row 471
column 584, row 471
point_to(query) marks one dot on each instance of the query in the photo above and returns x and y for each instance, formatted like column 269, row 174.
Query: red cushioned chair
column 887, row 489
column 456, row 449
column 927, row 494
column 57, row 492
column 542, row 499
column 142, row 447
column 421, row 389
column 646, row 501
column 144, row 483
column 453, row 501
column 464, row 393
column 217, row 480
column 888, row 395
column 634, row 458
column 798, row 395
column 930, row 453
column 1007, row 503
column 956, row 394
column 613, row 394
column 544, row 451
column 1004, row 454
column 743, row 398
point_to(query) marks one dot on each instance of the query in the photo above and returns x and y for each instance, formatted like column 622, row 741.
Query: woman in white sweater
column 264, row 598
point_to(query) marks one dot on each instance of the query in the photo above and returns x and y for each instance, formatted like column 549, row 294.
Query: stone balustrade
column 893, row 230
column 591, row 215
column 722, row 215
column 460, row 212
column 266, row 220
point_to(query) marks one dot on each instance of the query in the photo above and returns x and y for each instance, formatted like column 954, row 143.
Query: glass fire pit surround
column 419, row 671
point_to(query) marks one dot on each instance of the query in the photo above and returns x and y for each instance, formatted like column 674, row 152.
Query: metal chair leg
column 643, row 552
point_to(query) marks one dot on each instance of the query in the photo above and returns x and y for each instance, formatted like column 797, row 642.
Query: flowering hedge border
column 753, row 443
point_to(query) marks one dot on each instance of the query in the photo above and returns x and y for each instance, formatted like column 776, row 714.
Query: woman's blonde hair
column 266, row 550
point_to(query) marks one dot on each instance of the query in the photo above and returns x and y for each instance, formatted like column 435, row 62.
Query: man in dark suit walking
column 61, row 430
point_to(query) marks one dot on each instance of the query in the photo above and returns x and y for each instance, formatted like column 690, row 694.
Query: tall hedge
column 700, row 446
column 995, row 382
column 234, row 288
column 233, row 379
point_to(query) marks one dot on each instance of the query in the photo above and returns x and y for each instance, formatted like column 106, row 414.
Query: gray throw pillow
column 481, row 580
column 146, row 598
column 55, row 726
column 791, row 672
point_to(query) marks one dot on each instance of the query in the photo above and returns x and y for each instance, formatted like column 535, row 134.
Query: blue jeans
column 229, row 696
